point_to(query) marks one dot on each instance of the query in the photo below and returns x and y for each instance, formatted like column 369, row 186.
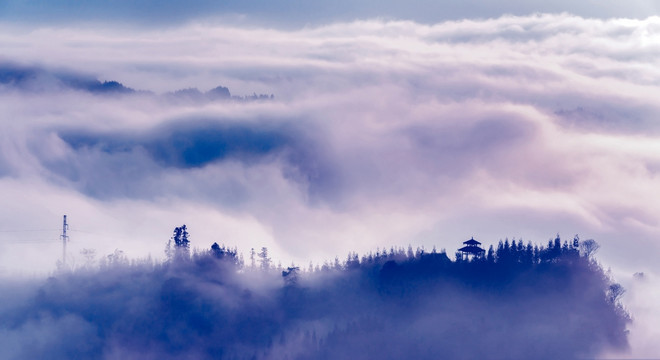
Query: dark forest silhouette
column 518, row 301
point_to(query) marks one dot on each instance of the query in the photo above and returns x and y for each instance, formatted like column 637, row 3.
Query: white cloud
column 390, row 133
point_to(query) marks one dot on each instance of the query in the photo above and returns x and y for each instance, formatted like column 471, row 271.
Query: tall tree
column 181, row 243
column 499, row 253
column 589, row 247
column 180, row 237
column 490, row 257
column 557, row 247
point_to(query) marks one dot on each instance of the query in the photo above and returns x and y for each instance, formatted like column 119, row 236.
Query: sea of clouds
column 380, row 133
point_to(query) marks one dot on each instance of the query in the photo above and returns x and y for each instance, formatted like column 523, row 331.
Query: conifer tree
column 181, row 243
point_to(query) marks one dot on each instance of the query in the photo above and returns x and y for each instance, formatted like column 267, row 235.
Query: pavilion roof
column 472, row 241
column 472, row 249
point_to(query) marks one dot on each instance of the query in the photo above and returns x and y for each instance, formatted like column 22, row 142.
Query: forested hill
column 517, row 302
column 35, row 79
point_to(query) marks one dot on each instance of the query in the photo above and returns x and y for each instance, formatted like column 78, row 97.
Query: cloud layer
column 532, row 125
column 381, row 133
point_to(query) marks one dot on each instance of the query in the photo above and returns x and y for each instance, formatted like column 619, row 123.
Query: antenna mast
column 65, row 239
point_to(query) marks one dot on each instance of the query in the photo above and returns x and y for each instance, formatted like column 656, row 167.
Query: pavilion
column 471, row 248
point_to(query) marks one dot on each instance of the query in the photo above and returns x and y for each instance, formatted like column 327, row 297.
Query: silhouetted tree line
column 546, row 302
column 546, row 282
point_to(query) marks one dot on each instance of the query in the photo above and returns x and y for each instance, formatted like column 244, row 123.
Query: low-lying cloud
column 388, row 305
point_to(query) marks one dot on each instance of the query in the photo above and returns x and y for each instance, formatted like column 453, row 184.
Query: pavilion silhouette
column 471, row 249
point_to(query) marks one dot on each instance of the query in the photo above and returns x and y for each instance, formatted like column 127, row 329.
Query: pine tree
column 529, row 253
column 181, row 244
column 556, row 247
column 490, row 257
column 499, row 254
